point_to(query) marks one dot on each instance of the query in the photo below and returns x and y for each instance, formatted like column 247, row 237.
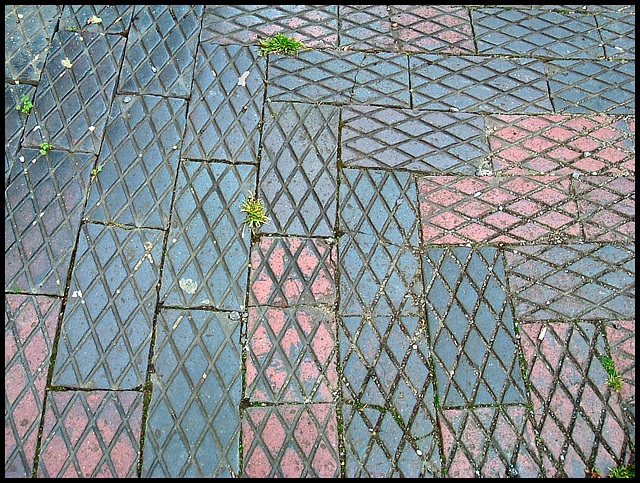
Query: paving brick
column 618, row 33
column 575, row 413
column 291, row 355
column 592, row 86
column 138, row 162
column 193, row 424
column 298, row 170
column 289, row 271
column 71, row 101
column 90, row 434
column 291, row 441
column 366, row 27
column 313, row 76
column 106, row 329
column 571, row 282
column 28, row 30
column 620, row 335
column 115, row 19
column 471, row 449
column 14, row 122
column 536, row 33
column 29, row 329
column 315, row 26
column 478, row 84
column 378, row 277
column 43, row 209
column 224, row 113
column 433, row 28
column 471, row 326
column 377, row 446
column 208, row 251
column 382, row 79
column 496, row 209
column 161, row 50
column 561, row 144
column 607, row 207
column 434, row 142
column 587, row 8
column 379, row 203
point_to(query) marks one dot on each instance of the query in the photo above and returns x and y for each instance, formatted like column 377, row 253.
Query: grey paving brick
column 380, row 203
column 28, row 31
column 226, row 106
column 471, row 326
column 433, row 142
column 138, row 161
column 106, row 329
column 43, row 209
column 570, row 282
column 14, row 122
column 618, row 34
column 599, row 87
column 298, row 170
column 161, row 50
column 536, row 33
column 114, row 19
column 193, row 424
column 72, row 104
column 366, row 28
column 382, row 79
column 479, row 84
column 208, row 252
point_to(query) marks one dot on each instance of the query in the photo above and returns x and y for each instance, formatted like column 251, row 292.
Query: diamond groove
column 116, row 19
column 14, row 122
column 618, row 32
column 366, row 28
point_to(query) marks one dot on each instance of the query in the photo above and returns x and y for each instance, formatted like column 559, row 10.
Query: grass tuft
column 256, row 214
column 280, row 44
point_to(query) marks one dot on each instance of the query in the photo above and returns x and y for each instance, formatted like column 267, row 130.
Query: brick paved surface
column 446, row 282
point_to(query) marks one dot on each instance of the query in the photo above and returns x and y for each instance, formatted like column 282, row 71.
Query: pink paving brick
column 606, row 207
column 288, row 271
column 91, row 434
column 433, row 28
column 291, row 354
column 467, row 438
column 491, row 209
column 558, row 144
column 571, row 398
column 30, row 325
column 291, row 441
column 622, row 344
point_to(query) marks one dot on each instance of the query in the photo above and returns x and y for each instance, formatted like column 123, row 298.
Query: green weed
column 615, row 380
column 44, row 147
column 256, row 214
column 26, row 105
column 280, row 44
column 625, row 471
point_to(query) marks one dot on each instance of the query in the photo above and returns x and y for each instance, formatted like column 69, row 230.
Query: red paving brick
column 30, row 326
column 291, row 441
column 91, row 434
column 493, row 209
column 560, row 144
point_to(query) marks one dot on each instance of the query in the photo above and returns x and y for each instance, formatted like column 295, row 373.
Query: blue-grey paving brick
column 116, row 19
column 193, row 424
column 377, row 277
column 618, row 31
column 226, row 105
column 366, row 27
column 471, row 326
column 43, row 209
column 314, row 25
column 138, row 161
column 585, row 8
column 380, row 203
column 14, row 121
column 28, row 30
column 382, row 79
column 543, row 33
column 434, row 142
column 479, row 84
column 313, row 76
column 68, row 102
column 161, row 50
column 377, row 446
column 106, row 329
column 208, row 249
column 298, row 169
column 571, row 282
column 580, row 86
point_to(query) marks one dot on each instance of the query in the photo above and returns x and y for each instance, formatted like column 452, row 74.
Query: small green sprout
column 95, row 171
column 615, row 380
column 44, row 147
column 73, row 28
column 256, row 215
column 625, row 471
column 26, row 106
column 280, row 44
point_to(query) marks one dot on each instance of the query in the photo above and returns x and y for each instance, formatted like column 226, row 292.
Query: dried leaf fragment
column 66, row 63
column 94, row 19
